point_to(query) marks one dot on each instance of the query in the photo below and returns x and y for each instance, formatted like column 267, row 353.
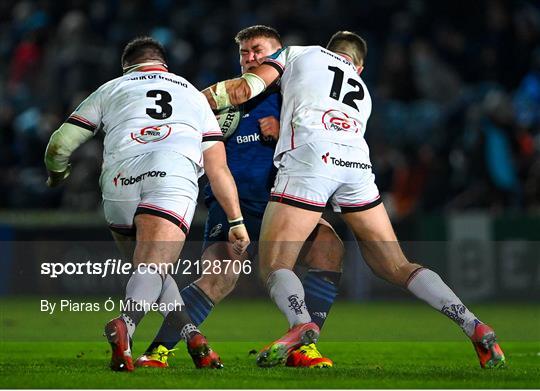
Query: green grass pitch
column 375, row 345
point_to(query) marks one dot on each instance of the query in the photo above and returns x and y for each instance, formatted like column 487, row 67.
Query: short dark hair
column 142, row 47
column 256, row 32
column 349, row 43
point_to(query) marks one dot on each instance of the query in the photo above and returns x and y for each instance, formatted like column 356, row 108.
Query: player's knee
column 337, row 253
column 327, row 251
column 330, row 260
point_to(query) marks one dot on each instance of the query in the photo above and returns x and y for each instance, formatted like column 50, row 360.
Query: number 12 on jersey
column 337, row 84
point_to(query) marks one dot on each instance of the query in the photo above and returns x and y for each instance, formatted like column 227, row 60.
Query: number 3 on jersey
column 162, row 99
column 351, row 96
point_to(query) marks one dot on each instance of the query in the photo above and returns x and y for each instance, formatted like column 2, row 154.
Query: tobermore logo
column 132, row 180
column 344, row 163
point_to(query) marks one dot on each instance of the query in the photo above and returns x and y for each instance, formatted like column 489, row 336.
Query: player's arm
column 61, row 145
column 234, row 92
column 224, row 189
column 78, row 128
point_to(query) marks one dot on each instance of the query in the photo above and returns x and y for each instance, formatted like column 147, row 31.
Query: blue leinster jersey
column 250, row 158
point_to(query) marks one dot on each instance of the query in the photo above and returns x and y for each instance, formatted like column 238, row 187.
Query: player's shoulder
column 180, row 79
column 110, row 83
column 313, row 47
column 303, row 49
column 288, row 50
column 101, row 91
column 291, row 53
column 189, row 88
column 326, row 53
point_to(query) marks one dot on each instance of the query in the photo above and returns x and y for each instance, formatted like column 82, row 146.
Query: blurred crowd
column 455, row 87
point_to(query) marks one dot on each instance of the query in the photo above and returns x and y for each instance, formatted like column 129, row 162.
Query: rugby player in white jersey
column 158, row 128
column 322, row 156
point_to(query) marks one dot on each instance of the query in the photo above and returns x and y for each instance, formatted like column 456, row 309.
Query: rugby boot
column 488, row 350
column 202, row 354
column 276, row 353
column 118, row 337
column 308, row 356
column 157, row 358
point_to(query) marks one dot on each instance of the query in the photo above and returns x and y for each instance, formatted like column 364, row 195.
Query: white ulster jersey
column 142, row 112
column 324, row 99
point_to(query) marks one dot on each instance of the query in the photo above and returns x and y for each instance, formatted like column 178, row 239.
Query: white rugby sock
column 142, row 290
column 428, row 286
column 286, row 290
column 169, row 297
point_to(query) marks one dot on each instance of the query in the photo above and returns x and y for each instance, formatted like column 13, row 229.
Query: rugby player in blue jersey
column 250, row 153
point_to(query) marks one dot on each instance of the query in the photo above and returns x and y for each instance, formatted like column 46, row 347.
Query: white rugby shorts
column 160, row 183
column 313, row 174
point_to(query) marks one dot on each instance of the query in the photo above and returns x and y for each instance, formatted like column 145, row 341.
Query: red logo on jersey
column 152, row 134
column 325, row 157
column 339, row 121
column 115, row 179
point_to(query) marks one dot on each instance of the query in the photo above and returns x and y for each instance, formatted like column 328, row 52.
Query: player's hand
column 239, row 238
column 269, row 128
column 56, row 178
